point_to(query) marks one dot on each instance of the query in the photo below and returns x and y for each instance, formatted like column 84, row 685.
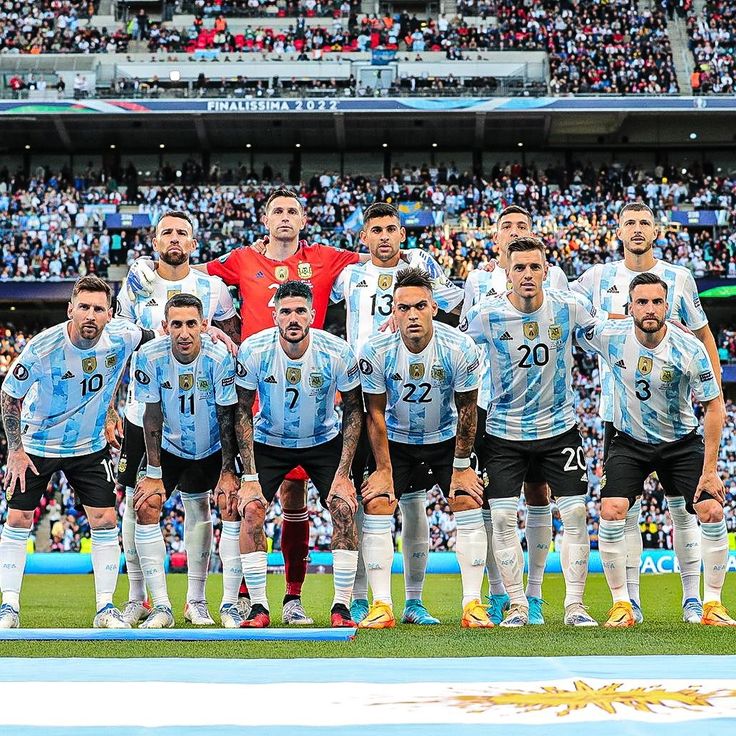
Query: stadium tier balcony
column 712, row 37
column 269, row 8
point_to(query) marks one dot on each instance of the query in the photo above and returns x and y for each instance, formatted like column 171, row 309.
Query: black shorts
column 407, row 459
column 608, row 431
column 190, row 476
column 678, row 466
column 273, row 464
column 91, row 477
column 363, row 463
column 559, row 461
column 132, row 454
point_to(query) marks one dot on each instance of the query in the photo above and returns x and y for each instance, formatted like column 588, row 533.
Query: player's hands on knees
column 343, row 488
column 249, row 492
column 467, row 480
column 113, row 428
column 710, row 482
column 378, row 483
column 147, row 488
column 228, row 485
column 139, row 280
column 218, row 335
column 15, row 471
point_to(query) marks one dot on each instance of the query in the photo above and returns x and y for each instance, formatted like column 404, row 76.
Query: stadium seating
column 713, row 44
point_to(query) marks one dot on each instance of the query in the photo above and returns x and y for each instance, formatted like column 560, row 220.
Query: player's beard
column 285, row 335
column 174, row 259
column 639, row 249
column 649, row 329
column 90, row 331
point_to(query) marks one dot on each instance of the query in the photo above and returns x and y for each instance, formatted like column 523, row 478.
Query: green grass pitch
column 68, row 601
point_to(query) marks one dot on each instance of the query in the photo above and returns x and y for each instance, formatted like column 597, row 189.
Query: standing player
column 420, row 386
column 297, row 371
column 530, row 423
column 655, row 368
column 607, row 287
column 188, row 388
column 513, row 222
column 368, row 291
column 258, row 276
column 55, row 408
column 174, row 242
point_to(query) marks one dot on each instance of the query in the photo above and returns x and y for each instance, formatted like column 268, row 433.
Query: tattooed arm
column 466, row 479
column 153, row 427
column 244, row 428
column 18, row 460
column 231, row 327
column 380, row 482
column 250, row 489
column 228, row 483
column 352, row 426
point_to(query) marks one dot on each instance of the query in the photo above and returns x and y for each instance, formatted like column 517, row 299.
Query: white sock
column 149, row 541
column 634, row 546
column 360, row 587
column 470, row 549
column 344, row 564
column 415, row 542
column 686, row 540
column 197, row 542
column 495, row 584
column 13, row 543
column 255, row 567
column 538, row 541
column 232, row 570
column 507, row 548
column 378, row 555
column 715, row 559
column 612, row 546
column 136, row 583
column 105, row 564
column 575, row 547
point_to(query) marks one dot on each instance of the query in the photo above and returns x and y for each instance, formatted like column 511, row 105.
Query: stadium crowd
column 713, row 44
column 276, row 8
column 48, row 230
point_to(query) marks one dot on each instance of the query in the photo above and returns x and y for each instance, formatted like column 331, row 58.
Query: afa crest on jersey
column 438, row 373
column 531, row 330
column 555, row 332
column 668, row 374
column 293, row 375
column 645, row 365
column 385, row 280
column 203, row 384
column 281, row 273
column 111, row 360
column 186, row 381
column 316, row 380
column 416, row 371
column 170, row 293
column 89, row 364
column 304, row 270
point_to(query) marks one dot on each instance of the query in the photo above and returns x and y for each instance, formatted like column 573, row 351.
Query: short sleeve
column 22, row 375
column 591, row 337
column 371, row 371
column 245, row 368
column 124, row 306
column 470, row 296
column 690, row 310
column 584, row 284
column 146, row 388
column 467, row 368
column 338, row 287
column 228, row 267
column 586, row 315
column 702, row 378
column 225, row 394
column 348, row 376
column 225, row 307
column 558, row 280
column 473, row 324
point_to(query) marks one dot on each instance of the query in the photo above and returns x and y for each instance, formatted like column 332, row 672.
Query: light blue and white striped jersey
column 606, row 285
column 296, row 397
column 188, row 392
column 531, row 362
column 148, row 312
column 66, row 391
column 368, row 292
column 482, row 284
column 420, row 388
column 652, row 388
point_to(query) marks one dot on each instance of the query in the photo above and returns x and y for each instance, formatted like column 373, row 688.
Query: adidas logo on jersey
column 491, row 292
column 165, row 384
column 68, row 374
column 151, row 303
column 260, row 275
column 612, row 290
column 396, row 377
column 621, row 364
column 270, row 379
column 361, row 285
column 506, row 336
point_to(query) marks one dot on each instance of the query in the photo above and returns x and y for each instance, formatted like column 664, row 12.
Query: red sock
column 295, row 548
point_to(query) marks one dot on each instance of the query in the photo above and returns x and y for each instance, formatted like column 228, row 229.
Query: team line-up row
column 418, row 402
